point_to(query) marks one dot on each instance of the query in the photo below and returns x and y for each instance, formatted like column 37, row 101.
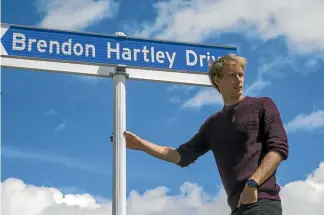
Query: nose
column 237, row 79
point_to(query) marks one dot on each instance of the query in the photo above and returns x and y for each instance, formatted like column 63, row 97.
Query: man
column 247, row 139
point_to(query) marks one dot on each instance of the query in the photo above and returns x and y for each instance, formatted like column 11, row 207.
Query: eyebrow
column 235, row 72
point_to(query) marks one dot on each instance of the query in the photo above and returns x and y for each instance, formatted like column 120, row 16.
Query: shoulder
column 260, row 101
column 210, row 119
column 266, row 104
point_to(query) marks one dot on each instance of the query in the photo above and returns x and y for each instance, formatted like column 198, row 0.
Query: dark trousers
column 262, row 207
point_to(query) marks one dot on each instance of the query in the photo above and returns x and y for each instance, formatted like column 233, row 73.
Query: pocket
column 252, row 209
column 275, row 207
column 271, row 207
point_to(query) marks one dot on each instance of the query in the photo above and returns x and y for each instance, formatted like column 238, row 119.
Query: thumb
column 126, row 133
column 239, row 202
column 130, row 134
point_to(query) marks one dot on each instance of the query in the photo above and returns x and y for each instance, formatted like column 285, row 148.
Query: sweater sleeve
column 274, row 133
column 193, row 149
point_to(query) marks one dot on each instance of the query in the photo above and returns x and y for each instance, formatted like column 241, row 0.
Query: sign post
column 108, row 56
column 119, row 152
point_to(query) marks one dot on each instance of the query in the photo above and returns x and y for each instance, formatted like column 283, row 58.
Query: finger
column 244, row 202
column 239, row 203
column 129, row 134
column 132, row 136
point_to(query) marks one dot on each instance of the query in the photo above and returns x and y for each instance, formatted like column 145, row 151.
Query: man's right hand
column 132, row 141
column 162, row 152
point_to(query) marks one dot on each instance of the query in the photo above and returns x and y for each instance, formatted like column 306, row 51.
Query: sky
column 56, row 156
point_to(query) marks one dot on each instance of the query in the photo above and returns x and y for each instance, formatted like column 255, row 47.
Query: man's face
column 232, row 81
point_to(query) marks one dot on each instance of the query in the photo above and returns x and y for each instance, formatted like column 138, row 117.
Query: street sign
column 153, row 56
column 113, row 56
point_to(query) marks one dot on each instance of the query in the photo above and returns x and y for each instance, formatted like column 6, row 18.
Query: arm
column 276, row 142
column 267, row 167
column 184, row 155
column 162, row 152
column 194, row 148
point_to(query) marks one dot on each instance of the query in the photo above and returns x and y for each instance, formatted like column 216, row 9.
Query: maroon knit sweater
column 239, row 137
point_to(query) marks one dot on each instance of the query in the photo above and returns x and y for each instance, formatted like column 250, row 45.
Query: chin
column 237, row 95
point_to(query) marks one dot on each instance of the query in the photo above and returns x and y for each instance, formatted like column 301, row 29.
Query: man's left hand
column 248, row 196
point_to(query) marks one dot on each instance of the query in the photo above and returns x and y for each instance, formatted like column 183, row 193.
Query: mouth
column 238, row 87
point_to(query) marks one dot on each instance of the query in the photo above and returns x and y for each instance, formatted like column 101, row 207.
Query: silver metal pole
column 119, row 160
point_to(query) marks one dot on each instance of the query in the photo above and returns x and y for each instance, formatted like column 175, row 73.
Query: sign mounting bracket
column 121, row 70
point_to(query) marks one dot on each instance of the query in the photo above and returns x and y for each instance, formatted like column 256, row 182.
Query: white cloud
column 255, row 88
column 306, row 122
column 298, row 21
column 298, row 197
column 74, row 14
column 305, row 197
column 60, row 126
column 52, row 112
column 268, row 69
column 175, row 99
column 176, row 87
column 205, row 96
column 50, row 158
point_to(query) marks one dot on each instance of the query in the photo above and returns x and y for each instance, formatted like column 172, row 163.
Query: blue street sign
column 67, row 46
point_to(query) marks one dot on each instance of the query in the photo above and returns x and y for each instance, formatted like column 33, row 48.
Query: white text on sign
column 114, row 51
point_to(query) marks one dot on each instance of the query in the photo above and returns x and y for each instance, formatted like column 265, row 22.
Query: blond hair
column 216, row 68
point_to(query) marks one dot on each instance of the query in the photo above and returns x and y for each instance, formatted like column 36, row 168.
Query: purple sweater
column 239, row 137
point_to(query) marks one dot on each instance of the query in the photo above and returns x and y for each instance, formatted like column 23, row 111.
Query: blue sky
column 56, row 127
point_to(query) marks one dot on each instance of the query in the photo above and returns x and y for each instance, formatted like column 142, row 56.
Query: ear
column 216, row 80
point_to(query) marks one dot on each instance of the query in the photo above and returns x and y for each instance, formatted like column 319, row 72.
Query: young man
column 247, row 139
